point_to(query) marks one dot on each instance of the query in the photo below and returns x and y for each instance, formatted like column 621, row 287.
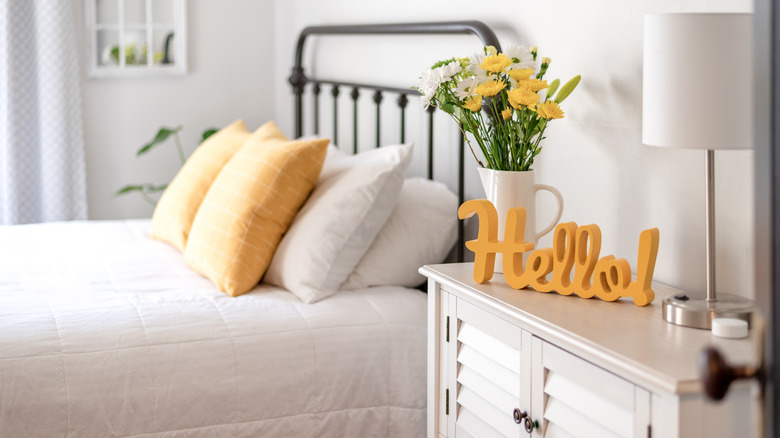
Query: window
column 135, row 37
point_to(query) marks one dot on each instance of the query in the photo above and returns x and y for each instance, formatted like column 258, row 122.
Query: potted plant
column 504, row 101
column 149, row 190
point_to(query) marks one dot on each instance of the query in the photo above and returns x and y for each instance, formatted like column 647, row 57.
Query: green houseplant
column 148, row 190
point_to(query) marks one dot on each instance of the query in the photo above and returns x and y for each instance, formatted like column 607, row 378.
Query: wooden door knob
column 717, row 375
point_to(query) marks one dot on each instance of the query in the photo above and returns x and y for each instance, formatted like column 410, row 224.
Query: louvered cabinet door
column 490, row 374
column 579, row 399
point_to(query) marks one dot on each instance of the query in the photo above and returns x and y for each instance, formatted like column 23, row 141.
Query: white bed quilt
column 105, row 332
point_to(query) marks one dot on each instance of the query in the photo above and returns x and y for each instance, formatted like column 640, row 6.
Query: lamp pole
column 709, row 206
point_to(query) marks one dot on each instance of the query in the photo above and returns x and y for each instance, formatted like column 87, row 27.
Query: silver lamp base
column 694, row 311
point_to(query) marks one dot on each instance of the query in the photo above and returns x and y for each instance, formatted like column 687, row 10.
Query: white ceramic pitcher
column 508, row 189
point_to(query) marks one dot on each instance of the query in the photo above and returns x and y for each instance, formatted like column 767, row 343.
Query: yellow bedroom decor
column 178, row 205
column 502, row 99
column 575, row 248
column 505, row 103
column 249, row 207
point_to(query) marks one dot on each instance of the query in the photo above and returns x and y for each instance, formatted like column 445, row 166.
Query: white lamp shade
column 698, row 81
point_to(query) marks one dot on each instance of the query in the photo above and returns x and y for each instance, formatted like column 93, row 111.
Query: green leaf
column 460, row 116
column 448, row 108
column 143, row 188
column 129, row 188
column 208, row 133
column 567, row 89
column 160, row 138
column 553, row 87
column 154, row 189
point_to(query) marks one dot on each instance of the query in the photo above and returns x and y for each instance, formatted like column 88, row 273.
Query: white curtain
column 42, row 171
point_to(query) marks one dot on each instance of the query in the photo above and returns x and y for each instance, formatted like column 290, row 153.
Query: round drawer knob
column 519, row 415
column 530, row 425
column 522, row 417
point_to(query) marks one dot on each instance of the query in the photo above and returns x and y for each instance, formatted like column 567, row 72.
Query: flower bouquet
column 496, row 97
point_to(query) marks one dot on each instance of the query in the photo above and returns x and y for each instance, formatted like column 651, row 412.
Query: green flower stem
column 474, row 129
column 467, row 122
column 468, row 142
column 489, row 157
column 496, row 138
column 536, row 149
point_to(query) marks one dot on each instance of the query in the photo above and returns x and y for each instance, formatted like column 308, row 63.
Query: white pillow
column 351, row 202
column 422, row 230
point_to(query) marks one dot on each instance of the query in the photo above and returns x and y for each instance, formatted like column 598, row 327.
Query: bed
column 107, row 332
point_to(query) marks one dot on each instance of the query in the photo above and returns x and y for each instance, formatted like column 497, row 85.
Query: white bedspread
column 105, row 332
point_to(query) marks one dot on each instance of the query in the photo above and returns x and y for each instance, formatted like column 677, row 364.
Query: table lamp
column 697, row 93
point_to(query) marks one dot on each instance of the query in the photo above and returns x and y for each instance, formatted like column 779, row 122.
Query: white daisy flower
column 425, row 100
column 431, row 79
column 522, row 54
column 474, row 66
column 429, row 82
column 466, row 87
column 447, row 71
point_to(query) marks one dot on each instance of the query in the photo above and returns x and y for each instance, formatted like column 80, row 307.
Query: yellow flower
column 490, row 50
column 507, row 113
column 522, row 74
column 549, row 110
column 532, row 85
column 490, row 88
column 473, row 103
column 536, row 85
column 546, row 61
column 524, row 84
column 496, row 63
column 522, row 97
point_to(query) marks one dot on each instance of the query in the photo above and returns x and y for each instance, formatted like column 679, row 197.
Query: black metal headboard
column 299, row 80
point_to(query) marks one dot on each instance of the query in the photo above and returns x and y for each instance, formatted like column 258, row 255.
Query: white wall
column 231, row 47
column 595, row 156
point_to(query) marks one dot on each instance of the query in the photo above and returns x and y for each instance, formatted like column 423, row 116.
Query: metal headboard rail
column 378, row 96
column 299, row 80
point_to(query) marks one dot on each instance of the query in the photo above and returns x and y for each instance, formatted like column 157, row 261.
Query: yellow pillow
column 179, row 203
column 249, row 207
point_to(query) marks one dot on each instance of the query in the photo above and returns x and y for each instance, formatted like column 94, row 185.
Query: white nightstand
column 573, row 367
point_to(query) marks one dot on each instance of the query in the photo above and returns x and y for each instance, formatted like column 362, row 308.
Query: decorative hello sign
column 574, row 248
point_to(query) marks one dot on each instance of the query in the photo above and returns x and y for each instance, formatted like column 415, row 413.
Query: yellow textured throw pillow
column 249, row 207
column 179, row 203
